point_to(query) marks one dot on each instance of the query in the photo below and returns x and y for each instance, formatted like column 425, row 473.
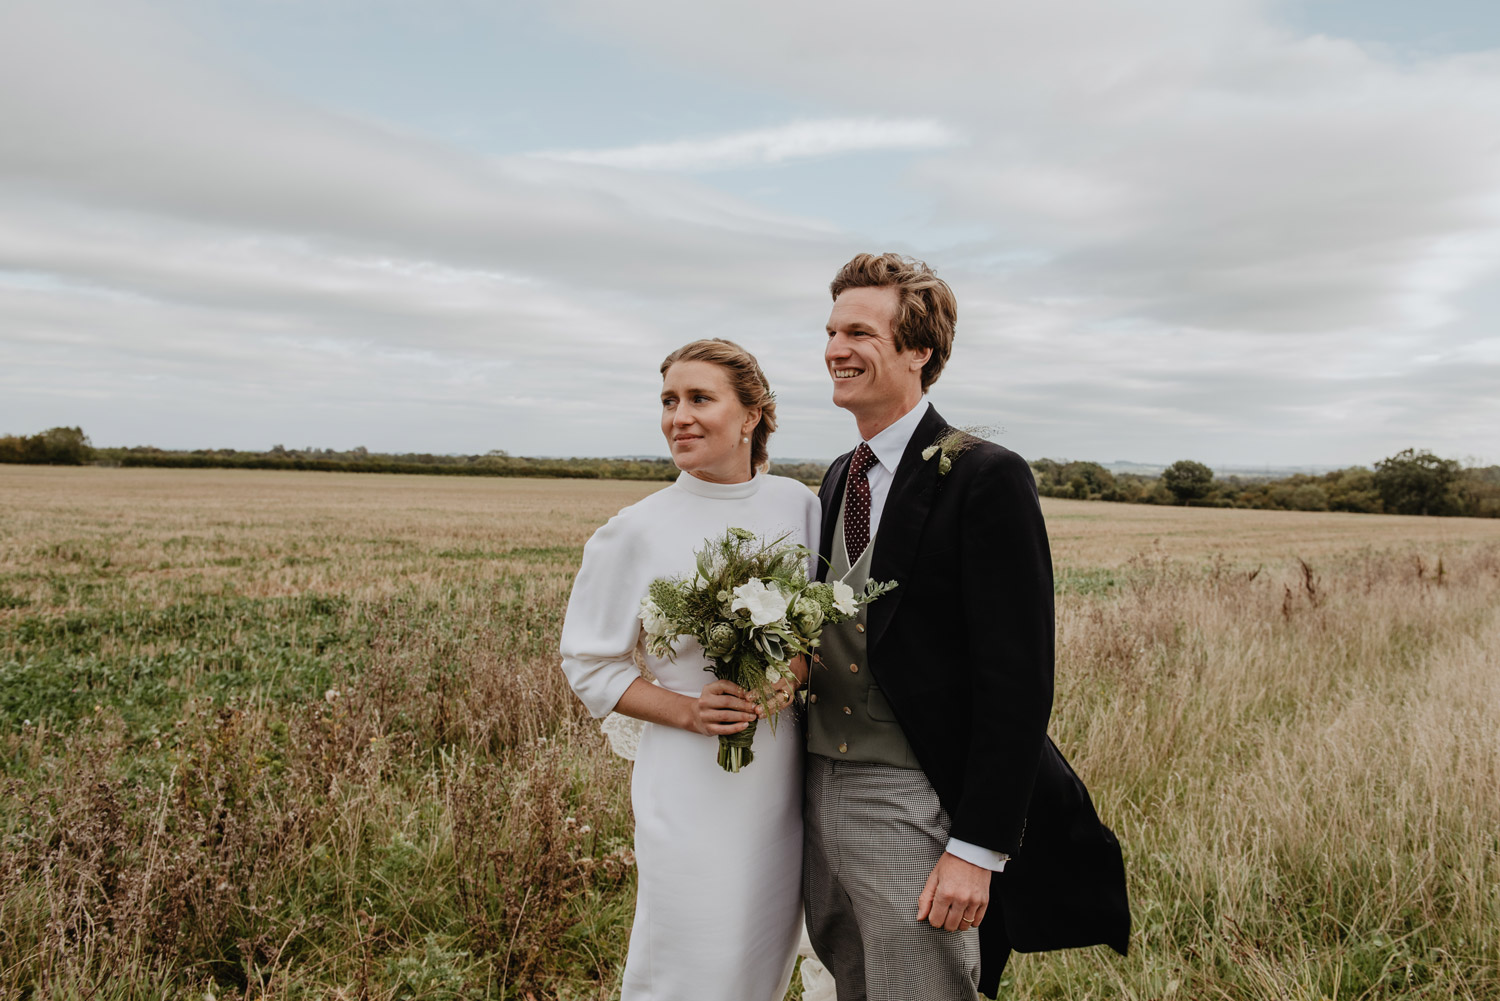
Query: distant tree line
column 361, row 460
column 71, row 447
column 1409, row 482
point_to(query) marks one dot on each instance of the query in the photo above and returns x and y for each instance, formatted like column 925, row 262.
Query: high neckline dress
column 719, row 855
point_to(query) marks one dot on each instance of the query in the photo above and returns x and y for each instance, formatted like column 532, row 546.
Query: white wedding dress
column 719, row 855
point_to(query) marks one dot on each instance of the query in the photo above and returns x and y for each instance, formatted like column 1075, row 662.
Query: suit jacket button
column 843, row 748
column 813, row 699
column 859, row 627
column 854, row 668
column 848, row 711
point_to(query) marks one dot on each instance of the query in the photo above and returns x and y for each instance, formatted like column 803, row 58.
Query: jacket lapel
column 902, row 521
column 831, row 495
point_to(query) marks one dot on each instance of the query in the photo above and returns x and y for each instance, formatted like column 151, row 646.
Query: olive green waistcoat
column 848, row 717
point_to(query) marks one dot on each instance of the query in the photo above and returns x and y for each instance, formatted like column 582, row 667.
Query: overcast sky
column 1237, row 231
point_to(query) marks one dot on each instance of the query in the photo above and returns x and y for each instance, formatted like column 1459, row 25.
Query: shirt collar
column 890, row 444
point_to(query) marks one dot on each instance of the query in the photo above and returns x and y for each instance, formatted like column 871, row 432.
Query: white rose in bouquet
column 765, row 604
column 652, row 618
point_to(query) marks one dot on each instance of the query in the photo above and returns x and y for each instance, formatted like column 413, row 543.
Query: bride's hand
column 722, row 708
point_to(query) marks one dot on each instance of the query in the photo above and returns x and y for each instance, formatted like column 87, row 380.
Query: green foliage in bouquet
column 752, row 608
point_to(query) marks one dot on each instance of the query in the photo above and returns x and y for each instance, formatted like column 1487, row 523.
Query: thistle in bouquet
column 751, row 606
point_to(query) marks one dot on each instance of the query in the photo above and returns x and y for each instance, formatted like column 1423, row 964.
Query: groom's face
column 869, row 374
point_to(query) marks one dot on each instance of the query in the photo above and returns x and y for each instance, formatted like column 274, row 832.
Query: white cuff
column 985, row 858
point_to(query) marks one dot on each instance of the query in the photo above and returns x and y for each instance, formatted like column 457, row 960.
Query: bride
column 719, row 854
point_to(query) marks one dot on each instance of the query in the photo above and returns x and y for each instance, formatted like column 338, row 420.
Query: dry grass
column 1301, row 757
column 1091, row 534
column 1304, row 767
column 157, row 534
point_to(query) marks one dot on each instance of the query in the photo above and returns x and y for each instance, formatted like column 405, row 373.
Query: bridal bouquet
column 751, row 605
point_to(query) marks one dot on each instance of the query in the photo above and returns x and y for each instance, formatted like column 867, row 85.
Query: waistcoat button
column 848, row 711
column 843, row 748
column 859, row 627
column 854, row 668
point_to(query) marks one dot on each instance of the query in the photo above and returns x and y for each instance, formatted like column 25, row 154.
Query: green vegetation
column 303, row 752
column 1187, row 480
column 1410, row 482
column 53, row 447
column 303, row 736
column 360, row 460
column 70, row 446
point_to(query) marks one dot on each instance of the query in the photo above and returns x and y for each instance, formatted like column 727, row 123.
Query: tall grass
column 302, row 735
column 1304, row 767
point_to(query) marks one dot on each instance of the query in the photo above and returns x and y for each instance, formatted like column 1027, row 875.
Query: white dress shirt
column 889, row 445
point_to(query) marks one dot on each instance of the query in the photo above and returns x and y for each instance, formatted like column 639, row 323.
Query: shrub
column 54, row 446
column 1188, row 480
column 1412, row 482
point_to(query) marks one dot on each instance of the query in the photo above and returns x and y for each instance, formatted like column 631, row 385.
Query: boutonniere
column 954, row 442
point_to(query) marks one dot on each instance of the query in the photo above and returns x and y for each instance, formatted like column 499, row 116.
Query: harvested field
column 302, row 735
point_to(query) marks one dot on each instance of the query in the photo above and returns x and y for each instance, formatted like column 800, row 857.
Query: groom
column 943, row 828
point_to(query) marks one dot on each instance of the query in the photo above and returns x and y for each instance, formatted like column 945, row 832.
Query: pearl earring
column 744, row 441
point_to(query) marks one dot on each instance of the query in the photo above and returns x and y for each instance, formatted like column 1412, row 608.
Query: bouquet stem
column 734, row 748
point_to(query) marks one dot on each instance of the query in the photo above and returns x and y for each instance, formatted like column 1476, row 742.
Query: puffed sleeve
column 602, row 623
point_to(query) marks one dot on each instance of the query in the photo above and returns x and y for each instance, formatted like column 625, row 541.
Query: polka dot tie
column 857, row 507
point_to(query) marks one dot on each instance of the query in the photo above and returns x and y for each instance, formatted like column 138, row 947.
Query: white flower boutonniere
column 844, row 599
column 954, row 442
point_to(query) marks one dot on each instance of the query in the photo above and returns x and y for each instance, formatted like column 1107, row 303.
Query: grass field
column 302, row 735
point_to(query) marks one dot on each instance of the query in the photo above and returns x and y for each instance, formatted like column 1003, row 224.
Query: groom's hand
column 784, row 690
column 956, row 895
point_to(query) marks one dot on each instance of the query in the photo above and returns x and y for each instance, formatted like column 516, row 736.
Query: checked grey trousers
column 873, row 833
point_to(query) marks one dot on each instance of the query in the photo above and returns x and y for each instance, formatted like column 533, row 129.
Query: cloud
column 176, row 241
column 143, row 131
column 1168, row 195
column 1182, row 229
column 797, row 141
column 1190, row 162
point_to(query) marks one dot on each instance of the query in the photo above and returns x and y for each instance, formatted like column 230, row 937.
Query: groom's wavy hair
column 926, row 310
column 747, row 380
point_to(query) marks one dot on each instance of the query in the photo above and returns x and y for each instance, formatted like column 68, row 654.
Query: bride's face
column 704, row 422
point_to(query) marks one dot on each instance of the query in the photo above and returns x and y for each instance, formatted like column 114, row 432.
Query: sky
column 1239, row 231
